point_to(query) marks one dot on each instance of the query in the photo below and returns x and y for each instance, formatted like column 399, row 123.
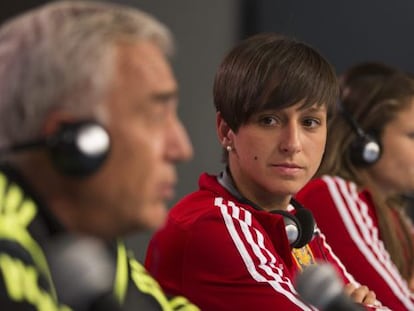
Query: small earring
column 229, row 148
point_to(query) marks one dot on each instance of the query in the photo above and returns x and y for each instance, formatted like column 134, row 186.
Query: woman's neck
column 253, row 195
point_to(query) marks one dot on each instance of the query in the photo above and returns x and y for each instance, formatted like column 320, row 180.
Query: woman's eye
column 268, row 120
column 311, row 123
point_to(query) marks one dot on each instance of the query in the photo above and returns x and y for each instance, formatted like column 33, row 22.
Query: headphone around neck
column 299, row 227
column 76, row 149
column 365, row 149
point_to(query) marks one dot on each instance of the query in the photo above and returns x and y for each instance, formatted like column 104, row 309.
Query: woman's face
column 394, row 171
column 276, row 152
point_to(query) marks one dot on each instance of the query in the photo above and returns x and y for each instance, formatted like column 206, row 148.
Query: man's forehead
column 144, row 60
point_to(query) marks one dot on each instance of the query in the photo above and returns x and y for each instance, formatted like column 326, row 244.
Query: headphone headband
column 350, row 119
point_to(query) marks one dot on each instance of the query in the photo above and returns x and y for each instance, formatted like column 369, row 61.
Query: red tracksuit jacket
column 225, row 255
column 348, row 219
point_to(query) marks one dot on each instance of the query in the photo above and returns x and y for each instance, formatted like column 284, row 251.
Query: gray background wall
column 345, row 32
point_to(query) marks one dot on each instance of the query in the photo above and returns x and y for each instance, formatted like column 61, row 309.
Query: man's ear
column 224, row 132
column 54, row 120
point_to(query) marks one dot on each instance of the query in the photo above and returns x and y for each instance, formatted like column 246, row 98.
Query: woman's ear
column 224, row 132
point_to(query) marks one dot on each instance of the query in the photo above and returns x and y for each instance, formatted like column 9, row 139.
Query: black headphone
column 76, row 149
column 366, row 149
column 299, row 227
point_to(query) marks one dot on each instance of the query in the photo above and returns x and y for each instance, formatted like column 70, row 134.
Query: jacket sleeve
column 350, row 229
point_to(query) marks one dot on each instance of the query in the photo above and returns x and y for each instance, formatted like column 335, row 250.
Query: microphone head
column 319, row 285
column 83, row 271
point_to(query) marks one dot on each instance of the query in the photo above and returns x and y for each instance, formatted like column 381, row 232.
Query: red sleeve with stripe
column 347, row 218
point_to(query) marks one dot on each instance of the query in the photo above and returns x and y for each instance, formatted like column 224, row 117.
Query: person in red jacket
column 357, row 198
column 238, row 242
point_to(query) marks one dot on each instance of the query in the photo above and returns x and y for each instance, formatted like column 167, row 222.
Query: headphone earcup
column 365, row 150
column 299, row 228
column 80, row 148
column 307, row 225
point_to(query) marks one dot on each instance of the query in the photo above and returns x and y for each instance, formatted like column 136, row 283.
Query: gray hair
column 61, row 56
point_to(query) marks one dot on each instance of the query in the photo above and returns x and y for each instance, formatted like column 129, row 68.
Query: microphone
column 83, row 273
column 321, row 286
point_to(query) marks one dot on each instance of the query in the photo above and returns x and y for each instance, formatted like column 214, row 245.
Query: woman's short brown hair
column 271, row 71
